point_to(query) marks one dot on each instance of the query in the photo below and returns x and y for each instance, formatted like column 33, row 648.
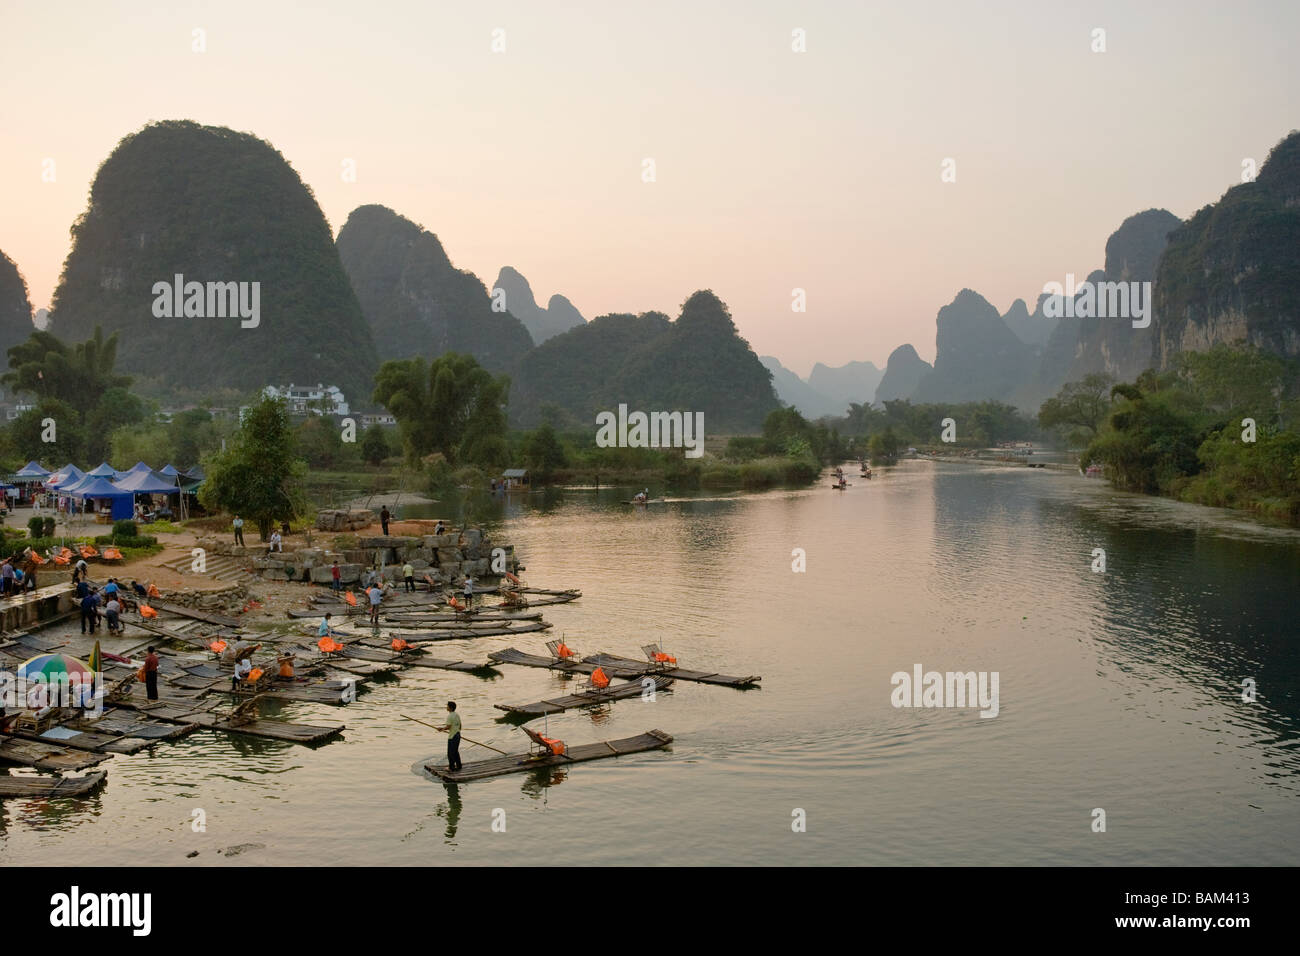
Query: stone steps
column 219, row 566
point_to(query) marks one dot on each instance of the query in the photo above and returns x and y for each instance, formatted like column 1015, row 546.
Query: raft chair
column 328, row 645
column 258, row 679
column 64, row 556
column 655, row 655
column 88, row 551
column 541, row 746
column 112, row 554
column 562, row 652
column 597, row 682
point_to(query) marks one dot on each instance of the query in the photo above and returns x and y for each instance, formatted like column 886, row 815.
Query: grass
column 164, row 527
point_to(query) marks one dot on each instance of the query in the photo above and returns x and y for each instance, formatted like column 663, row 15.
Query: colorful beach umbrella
column 54, row 666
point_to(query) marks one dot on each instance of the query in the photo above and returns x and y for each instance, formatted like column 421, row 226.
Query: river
column 1119, row 691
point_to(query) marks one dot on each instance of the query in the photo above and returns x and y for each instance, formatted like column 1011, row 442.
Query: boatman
column 239, row 531
column 376, row 595
column 408, row 575
column 151, row 674
column 452, row 727
column 324, row 630
column 469, row 591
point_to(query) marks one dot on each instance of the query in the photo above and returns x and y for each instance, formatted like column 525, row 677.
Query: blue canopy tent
column 101, row 489
column 146, row 483
column 66, row 476
column 105, row 470
column 27, row 481
column 171, row 471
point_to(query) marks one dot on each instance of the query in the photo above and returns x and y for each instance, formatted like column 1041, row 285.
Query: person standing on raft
column 151, row 673
column 452, row 727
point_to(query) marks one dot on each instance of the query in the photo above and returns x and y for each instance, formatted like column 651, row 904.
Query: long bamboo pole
column 462, row 736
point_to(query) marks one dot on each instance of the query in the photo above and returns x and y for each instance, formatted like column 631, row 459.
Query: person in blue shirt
column 90, row 611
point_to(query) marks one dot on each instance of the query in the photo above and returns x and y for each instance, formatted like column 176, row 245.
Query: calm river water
column 1119, row 690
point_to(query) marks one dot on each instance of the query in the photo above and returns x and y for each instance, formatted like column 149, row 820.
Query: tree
column 1079, row 408
column 193, row 432
column 543, row 453
column 115, row 408
column 374, row 445
column 884, row 446
column 259, row 475
column 132, row 443
column 79, row 374
column 49, row 419
column 452, row 406
column 319, row 441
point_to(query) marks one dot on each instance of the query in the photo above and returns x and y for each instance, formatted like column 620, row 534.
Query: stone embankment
column 447, row 558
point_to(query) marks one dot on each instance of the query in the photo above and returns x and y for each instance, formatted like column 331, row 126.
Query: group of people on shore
column 14, row 580
column 113, row 598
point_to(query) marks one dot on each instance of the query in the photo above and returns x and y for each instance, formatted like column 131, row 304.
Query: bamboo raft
column 481, row 613
column 237, row 721
column 558, row 705
column 415, row 657
column 43, row 755
column 51, row 787
column 451, row 632
column 616, row 666
column 520, row 763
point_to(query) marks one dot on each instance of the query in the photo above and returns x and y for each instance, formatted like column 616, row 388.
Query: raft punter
column 452, row 727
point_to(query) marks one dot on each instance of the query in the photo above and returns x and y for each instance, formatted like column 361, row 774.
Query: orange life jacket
column 662, row 658
column 255, row 674
column 562, row 651
column 286, row 667
column 556, row 747
column 599, row 678
column 147, row 611
column 153, row 591
column 329, row 645
column 216, row 647
column 399, row 644
column 350, row 598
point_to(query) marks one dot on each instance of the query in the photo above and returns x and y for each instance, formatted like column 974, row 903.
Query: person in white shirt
column 276, row 543
column 243, row 667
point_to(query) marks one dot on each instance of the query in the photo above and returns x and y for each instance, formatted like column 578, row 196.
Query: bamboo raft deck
column 448, row 631
column 476, row 615
column 205, row 717
column 520, row 763
column 51, row 787
column 615, row 666
column 557, row 705
column 44, row 755
column 416, row 657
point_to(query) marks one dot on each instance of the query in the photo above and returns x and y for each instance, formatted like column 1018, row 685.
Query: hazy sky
column 775, row 169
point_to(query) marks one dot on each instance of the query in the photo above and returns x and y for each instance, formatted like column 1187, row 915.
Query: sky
column 774, row 170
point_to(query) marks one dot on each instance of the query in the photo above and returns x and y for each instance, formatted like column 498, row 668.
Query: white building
column 315, row 399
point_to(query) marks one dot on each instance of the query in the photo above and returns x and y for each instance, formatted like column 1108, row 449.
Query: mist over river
column 1119, row 690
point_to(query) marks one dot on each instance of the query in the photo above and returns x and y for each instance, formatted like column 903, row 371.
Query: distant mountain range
column 178, row 204
column 826, row 391
column 698, row 363
column 558, row 316
column 415, row 301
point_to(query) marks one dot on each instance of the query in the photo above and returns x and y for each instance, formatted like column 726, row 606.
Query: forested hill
column 416, row 301
column 214, row 206
column 1232, row 273
column 15, row 309
column 698, row 363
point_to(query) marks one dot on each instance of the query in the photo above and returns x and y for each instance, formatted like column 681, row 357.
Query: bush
column 125, row 529
column 47, row 531
column 12, row 546
column 127, row 540
column 36, row 526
